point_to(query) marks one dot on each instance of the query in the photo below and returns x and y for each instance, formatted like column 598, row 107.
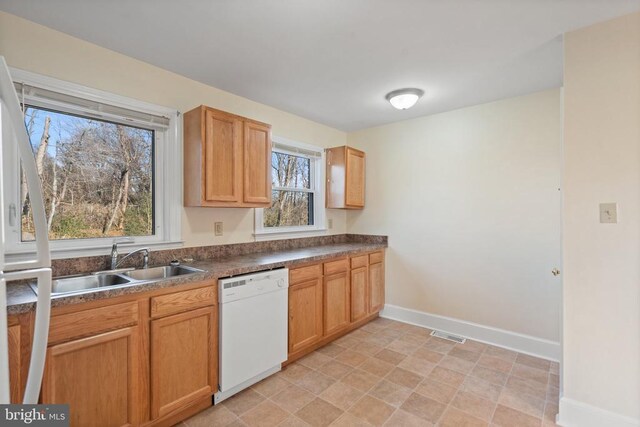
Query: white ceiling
column 333, row 61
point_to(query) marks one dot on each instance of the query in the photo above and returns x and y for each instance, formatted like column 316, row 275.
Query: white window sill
column 288, row 233
column 94, row 251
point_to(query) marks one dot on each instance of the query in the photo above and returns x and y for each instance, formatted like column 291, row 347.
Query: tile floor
column 393, row 374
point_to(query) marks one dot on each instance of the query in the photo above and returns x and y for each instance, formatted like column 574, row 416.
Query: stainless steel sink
column 164, row 272
column 64, row 285
column 114, row 278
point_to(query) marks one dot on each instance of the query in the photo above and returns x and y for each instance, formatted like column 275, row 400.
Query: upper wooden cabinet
column 257, row 163
column 345, row 178
column 227, row 160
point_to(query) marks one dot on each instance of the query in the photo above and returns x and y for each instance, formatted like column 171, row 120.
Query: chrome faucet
column 114, row 256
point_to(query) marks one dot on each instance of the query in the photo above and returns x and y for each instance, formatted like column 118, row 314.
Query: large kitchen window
column 107, row 165
column 297, row 199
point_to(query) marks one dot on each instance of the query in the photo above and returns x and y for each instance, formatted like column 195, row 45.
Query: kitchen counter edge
column 21, row 299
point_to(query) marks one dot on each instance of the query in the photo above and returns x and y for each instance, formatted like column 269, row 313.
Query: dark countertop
column 22, row 299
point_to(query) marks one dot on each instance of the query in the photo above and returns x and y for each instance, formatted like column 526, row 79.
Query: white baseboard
column 578, row 414
column 521, row 343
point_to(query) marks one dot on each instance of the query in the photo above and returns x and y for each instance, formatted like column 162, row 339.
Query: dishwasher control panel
column 253, row 284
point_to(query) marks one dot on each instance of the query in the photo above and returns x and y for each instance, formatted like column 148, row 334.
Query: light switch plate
column 217, row 228
column 608, row 213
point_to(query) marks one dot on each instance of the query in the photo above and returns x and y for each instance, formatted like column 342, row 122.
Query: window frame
column 167, row 159
column 317, row 172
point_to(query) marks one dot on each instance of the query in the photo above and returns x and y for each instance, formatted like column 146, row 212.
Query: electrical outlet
column 330, row 223
column 608, row 213
column 217, row 226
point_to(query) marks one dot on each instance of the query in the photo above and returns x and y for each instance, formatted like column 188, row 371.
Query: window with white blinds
column 88, row 107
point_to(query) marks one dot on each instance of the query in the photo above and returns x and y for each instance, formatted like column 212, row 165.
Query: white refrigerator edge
column 39, row 266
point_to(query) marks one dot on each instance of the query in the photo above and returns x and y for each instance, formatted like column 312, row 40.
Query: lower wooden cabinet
column 183, row 360
column 97, row 376
column 367, row 285
column 148, row 359
column 359, row 293
column 328, row 299
column 15, row 363
column 376, row 286
column 305, row 314
column 336, row 305
column 152, row 358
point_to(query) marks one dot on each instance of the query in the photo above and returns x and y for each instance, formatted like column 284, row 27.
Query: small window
column 297, row 199
column 105, row 165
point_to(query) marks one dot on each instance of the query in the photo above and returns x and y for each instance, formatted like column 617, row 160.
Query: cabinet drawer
column 359, row 261
column 376, row 257
column 305, row 273
column 182, row 301
column 92, row 321
column 338, row 266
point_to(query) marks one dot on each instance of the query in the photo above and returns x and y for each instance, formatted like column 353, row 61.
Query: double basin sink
column 112, row 279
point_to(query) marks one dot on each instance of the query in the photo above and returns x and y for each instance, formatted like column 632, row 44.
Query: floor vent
column 447, row 336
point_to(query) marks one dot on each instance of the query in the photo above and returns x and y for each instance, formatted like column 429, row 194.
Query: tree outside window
column 97, row 176
column 292, row 198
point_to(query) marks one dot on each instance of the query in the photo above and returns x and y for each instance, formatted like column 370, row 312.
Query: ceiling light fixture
column 403, row 99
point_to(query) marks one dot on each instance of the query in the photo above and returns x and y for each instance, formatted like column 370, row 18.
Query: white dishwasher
column 253, row 329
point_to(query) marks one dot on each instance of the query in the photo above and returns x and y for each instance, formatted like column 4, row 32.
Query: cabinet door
column 184, row 359
column 222, row 158
column 15, row 365
column 335, row 189
column 257, row 163
column 359, row 294
column 97, row 377
column 336, row 303
column 355, row 178
column 305, row 314
column 376, row 287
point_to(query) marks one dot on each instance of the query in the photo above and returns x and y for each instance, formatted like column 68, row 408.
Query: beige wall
column 35, row 48
column 470, row 202
column 602, row 261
